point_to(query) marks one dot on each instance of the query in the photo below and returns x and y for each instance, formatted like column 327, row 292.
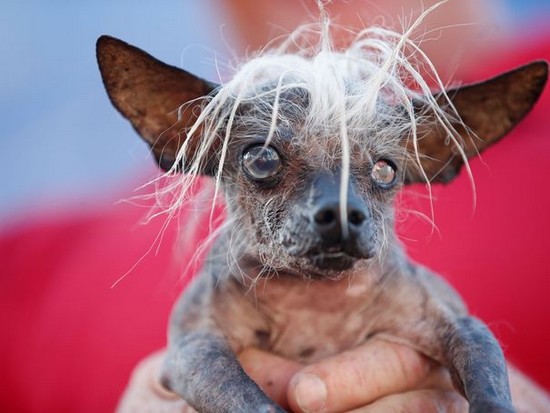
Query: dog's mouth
column 336, row 261
column 335, row 258
column 328, row 261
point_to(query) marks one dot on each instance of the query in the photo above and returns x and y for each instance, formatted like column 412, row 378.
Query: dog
column 309, row 148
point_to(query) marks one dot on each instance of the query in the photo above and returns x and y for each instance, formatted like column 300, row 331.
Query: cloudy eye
column 261, row 162
column 383, row 173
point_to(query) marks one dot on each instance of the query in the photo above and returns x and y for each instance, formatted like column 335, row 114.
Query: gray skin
column 300, row 281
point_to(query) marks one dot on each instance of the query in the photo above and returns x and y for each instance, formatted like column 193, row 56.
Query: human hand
column 144, row 392
column 376, row 377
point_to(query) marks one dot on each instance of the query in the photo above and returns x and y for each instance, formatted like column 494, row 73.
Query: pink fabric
column 69, row 340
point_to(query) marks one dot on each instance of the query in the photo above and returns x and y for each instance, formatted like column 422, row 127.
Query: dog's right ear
column 149, row 93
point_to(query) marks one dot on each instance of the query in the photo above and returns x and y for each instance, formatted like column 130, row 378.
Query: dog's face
column 284, row 192
column 309, row 172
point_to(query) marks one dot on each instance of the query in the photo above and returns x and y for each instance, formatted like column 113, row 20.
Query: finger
column 358, row 377
column 272, row 373
column 418, row 401
column 145, row 394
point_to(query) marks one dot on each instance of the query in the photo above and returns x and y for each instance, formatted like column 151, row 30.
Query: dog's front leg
column 477, row 365
column 202, row 369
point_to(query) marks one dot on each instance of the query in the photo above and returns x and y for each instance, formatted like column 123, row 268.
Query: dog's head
column 310, row 150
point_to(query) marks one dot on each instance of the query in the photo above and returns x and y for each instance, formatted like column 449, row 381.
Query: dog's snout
column 326, row 217
column 328, row 222
column 356, row 217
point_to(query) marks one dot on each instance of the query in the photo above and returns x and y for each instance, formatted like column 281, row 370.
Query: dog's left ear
column 149, row 93
column 489, row 109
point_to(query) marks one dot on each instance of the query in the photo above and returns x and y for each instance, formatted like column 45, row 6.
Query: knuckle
column 360, row 377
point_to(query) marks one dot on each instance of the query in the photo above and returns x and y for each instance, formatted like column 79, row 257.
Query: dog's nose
column 328, row 222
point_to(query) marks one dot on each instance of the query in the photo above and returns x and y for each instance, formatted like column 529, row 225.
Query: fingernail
column 311, row 393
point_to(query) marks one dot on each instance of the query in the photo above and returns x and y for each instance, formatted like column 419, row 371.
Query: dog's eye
column 261, row 162
column 383, row 173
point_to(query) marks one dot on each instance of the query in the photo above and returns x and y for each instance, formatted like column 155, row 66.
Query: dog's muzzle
column 336, row 241
column 339, row 241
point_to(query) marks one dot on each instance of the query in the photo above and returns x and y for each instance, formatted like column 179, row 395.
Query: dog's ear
column 489, row 110
column 149, row 94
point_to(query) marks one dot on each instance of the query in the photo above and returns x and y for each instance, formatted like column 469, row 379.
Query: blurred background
column 63, row 145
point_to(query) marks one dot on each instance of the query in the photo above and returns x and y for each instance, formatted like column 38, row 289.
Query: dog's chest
column 310, row 321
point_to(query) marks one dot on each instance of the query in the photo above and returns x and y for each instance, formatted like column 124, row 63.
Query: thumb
column 357, row 377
